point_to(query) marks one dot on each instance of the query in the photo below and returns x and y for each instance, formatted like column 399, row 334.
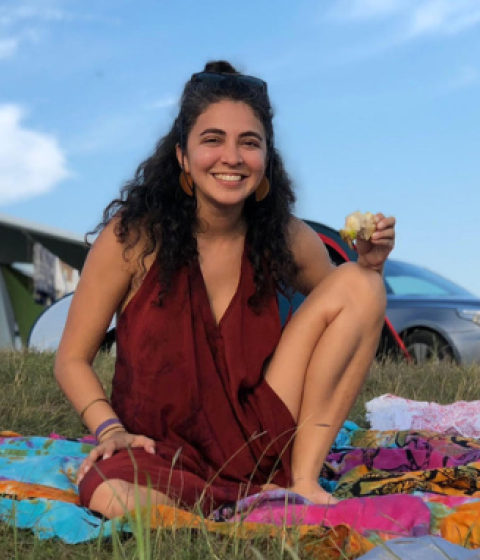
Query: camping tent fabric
column 24, row 307
column 17, row 241
column 7, row 318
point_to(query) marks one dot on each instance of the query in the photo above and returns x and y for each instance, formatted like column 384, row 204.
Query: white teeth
column 232, row 178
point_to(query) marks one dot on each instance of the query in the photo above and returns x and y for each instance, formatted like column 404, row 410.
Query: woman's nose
column 231, row 154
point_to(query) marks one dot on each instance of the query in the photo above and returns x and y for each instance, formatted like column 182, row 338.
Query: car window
column 411, row 286
column 405, row 279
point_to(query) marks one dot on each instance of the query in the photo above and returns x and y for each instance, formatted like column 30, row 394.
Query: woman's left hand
column 374, row 253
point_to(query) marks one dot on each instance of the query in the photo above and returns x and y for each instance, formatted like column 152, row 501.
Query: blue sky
column 377, row 106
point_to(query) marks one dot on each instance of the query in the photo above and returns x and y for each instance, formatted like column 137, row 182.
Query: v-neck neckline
column 235, row 296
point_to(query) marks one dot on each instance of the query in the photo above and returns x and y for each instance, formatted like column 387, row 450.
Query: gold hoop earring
column 186, row 183
column 262, row 190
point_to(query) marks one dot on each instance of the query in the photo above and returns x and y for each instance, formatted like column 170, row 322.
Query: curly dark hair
column 152, row 204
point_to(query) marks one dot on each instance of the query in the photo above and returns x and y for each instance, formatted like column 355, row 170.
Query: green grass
column 32, row 404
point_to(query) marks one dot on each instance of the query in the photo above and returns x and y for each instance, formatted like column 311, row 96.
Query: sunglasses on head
column 217, row 78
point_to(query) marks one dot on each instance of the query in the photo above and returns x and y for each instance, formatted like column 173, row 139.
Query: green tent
column 18, row 310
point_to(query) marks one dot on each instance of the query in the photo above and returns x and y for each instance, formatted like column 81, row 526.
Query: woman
column 211, row 399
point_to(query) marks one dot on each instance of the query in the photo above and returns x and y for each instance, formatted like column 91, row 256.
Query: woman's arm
column 310, row 254
column 104, row 283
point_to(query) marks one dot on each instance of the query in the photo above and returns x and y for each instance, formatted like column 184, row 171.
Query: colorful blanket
column 390, row 412
column 38, row 490
column 391, row 484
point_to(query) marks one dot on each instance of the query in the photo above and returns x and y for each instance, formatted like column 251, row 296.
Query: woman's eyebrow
column 251, row 133
column 213, row 131
column 223, row 133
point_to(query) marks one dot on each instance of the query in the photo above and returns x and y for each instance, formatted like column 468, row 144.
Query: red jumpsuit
column 197, row 388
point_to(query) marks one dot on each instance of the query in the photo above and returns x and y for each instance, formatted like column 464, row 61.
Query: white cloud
column 466, row 77
column 367, row 9
column 107, row 133
column 443, row 16
column 164, row 103
column 19, row 12
column 10, row 15
column 34, row 12
column 414, row 18
column 8, row 47
column 31, row 163
column 23, row 22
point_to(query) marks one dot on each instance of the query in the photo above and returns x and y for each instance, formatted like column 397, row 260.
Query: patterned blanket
column 391, row 484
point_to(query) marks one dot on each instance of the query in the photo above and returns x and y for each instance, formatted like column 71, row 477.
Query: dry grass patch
column 31, row 403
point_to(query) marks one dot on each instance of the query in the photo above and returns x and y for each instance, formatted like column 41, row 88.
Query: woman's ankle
column 312, row 491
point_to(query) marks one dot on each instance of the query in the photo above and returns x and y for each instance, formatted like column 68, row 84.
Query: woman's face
column 226, row 153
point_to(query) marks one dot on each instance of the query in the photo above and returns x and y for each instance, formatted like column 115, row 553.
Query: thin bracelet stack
column 110, row 425
column 82, row 413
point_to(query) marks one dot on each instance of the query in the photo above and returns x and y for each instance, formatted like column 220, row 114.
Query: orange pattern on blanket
column 335, row 542
column 24, row 491
column 450, row 481
column 463, row 526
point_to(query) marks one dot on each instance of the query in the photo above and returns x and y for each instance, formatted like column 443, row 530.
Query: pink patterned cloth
column 389, row 412
column 396, row 515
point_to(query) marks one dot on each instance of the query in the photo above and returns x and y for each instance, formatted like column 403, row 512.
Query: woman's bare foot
column 314, row 493
column 267, row 487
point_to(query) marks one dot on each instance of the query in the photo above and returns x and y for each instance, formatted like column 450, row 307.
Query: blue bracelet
column 104, row 425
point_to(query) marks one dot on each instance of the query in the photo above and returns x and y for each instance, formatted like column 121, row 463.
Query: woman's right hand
column 117, row 441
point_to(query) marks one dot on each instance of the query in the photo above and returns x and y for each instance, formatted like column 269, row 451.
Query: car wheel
column 426, row 346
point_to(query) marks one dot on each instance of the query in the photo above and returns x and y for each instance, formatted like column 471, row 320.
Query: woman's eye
column 212, row 140
column 252, row 144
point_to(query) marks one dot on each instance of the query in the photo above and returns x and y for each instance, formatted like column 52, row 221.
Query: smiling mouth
column 233, row 178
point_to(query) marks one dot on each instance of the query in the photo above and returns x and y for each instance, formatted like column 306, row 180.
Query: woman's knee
column 349, row 287
column 110, row 498
column 362, row 289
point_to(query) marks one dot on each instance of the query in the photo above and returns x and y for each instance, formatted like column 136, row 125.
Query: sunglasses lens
column 218, row 79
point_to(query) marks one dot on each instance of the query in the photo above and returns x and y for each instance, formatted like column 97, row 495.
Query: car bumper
column 467, row 345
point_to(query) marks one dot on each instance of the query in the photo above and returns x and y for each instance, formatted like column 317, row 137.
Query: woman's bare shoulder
column 300, row 233
column 107, row 283
column 132, row 252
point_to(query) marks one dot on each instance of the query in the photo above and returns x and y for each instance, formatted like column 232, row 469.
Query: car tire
column 427, row 346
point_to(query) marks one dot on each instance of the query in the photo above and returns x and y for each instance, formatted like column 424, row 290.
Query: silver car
column 433, row 316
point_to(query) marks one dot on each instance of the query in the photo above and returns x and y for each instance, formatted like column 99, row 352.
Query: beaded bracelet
column 104, row 425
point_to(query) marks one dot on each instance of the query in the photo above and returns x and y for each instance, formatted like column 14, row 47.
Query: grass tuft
column 31, row 403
